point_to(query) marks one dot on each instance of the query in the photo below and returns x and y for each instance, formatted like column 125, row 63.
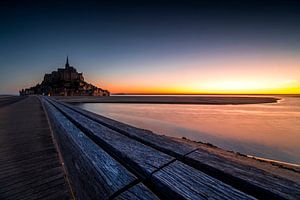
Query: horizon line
column 121, row 93
column 124, row 93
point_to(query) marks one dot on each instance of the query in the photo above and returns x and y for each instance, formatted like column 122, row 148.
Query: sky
column 154, row 46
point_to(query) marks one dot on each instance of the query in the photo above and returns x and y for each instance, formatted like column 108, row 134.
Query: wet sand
column 214, row 100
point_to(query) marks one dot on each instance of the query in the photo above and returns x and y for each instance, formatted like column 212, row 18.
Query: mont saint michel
column 158, row 100
column 65, row 82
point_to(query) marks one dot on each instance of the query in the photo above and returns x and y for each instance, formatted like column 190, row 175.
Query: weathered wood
column 141, row 159
column 5, row 101
column 93, row 173
column 34, row 171
column 29, row 164
column 255, row 181
column 27, row 142
column 29, row 185
column 52, row 186
column 162, row 143
column 180, row 181
column 135, row 192
column 23, row 156
column 244, row 176
column 144, row 159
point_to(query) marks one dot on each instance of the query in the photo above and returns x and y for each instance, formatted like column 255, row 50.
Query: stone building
column 65, row 82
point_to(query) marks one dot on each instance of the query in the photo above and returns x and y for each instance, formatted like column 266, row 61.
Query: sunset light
column 239, row 72
column 150, row 99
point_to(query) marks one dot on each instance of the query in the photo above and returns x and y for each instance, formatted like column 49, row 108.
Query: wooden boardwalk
column 29, row 163
column 119, row 161
column 106, row 159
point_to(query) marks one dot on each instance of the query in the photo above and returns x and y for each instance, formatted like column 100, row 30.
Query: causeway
column 53, row 150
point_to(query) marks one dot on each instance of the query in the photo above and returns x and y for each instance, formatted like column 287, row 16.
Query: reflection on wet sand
column 264, row 130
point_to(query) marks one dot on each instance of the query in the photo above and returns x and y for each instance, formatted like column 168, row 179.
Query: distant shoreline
column 200, row 94
column 205, row 100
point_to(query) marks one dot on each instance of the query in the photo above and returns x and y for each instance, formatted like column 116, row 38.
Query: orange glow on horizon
column 231, row 87
column 237, row 75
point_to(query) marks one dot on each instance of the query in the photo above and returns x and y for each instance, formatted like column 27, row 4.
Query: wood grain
column 141, row 159
column 162, row 143
column 150, row 163
column 262, row 183
column 93, row 172
column 29, row 164
column 135, row 192
column 180, row 181
column 246, row 178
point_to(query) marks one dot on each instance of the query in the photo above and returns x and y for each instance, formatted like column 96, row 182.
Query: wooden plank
column 23, row 133
column 159, row 142
column 5, row 101
column 192, row 184
column 93, row 172
column 54, row 184
column 29, row 162
column 138, row 192
column 50, row 195
column 23, row 185
column 141, row 159
column 18, row 153
column 244, row 177
column 6, row 166
column 255, row 182
column 20, row 121
column 180, row 181
column 28, row 179
column 26, row 143
column 29, row 148
column 19, row 157
column 26, row 174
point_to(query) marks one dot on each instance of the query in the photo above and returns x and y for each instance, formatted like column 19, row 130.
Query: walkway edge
column 58, row 151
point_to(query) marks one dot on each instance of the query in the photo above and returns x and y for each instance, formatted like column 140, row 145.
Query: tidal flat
column 172, row 99
column 267, row 130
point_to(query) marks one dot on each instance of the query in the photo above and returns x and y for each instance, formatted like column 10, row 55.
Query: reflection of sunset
column 268, row 130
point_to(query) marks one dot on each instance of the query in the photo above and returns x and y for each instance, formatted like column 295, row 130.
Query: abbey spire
column 67, row 63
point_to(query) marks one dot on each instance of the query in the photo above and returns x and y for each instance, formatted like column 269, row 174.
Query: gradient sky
column 154, row 46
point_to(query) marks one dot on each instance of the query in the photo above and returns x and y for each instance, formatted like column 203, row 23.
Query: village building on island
column 65, row 82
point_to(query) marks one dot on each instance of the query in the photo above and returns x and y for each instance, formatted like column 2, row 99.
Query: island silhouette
column 65, row 82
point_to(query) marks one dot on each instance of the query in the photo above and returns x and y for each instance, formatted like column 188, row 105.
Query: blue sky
column 122, row 43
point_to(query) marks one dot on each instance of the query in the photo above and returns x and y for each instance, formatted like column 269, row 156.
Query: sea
column 270, row 131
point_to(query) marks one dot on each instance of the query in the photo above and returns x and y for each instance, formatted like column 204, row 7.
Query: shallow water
column 265, row 130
